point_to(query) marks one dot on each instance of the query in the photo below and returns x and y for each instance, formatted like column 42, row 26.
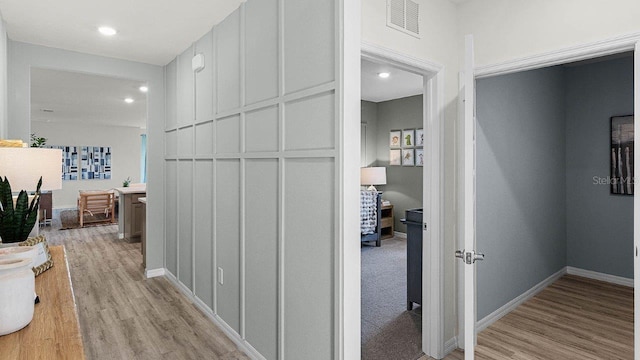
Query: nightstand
column 386, row 222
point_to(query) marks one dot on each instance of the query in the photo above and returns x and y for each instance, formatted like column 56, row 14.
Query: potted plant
column 126, row 182
column 38, row 142
column 16, row 221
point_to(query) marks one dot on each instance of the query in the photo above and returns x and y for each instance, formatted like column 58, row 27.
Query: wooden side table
column 386, row 222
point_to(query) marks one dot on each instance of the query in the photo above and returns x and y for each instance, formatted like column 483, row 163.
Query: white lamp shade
column 23, row 167
column 373, row 176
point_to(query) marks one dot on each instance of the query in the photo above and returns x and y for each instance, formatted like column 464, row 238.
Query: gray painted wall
column 369, row 133
column 520, row 183
column 23, row 56
column 599, row 225
column 404, row 183
column 248, row 189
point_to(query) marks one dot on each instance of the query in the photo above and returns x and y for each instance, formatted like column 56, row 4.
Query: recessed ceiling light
column 107, row 31
column 128, row 100
column 384, row 75
column 144, row 89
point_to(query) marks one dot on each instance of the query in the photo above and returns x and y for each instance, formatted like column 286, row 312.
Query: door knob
column 478, row 257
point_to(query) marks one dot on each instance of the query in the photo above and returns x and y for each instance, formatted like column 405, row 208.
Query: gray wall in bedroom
column 520, row 183
column 248, row 189
column 369, row 133
column 599, row 225
column 404, row 183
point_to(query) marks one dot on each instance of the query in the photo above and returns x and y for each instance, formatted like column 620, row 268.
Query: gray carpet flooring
column 389, row 331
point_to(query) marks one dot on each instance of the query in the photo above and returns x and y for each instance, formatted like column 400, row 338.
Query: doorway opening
column 432, row 324
column 392, row 143
column 548, row 187
column 100, row 123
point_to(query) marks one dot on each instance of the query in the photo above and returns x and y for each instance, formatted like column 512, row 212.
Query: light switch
column 220, row 276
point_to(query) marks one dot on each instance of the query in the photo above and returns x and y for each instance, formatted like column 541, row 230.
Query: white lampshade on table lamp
column 23, row 167
column 373, row 176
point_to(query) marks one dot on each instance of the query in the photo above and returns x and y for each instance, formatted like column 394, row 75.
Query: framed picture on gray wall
column 622, row 155
column 419, row 157
column 408, row 138
column 419, row 137
column 394, row 138
column 395, row 157
column 408, row 157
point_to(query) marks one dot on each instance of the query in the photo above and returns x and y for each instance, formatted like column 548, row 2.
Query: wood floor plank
column 574, row 318
column 125, row 316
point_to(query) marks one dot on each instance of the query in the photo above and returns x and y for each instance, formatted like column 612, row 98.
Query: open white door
column 636, row 205
column 468, row 254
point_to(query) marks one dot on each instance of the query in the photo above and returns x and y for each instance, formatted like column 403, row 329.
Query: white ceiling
column 149, row 31
column 399, row 84
column 86, row 99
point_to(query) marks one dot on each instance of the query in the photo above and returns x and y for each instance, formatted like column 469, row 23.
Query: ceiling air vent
column 404, row 15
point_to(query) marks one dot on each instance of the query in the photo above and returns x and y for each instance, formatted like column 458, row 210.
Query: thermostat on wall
column 197, row 63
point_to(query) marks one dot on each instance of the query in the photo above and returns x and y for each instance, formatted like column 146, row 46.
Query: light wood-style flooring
column 574, row 318
column 125, row 316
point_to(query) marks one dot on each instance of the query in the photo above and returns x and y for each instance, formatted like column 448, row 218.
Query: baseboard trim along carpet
column 155, row 273
column 399, row 235
column 242, row 344
column 511, row 305
column 618, row 280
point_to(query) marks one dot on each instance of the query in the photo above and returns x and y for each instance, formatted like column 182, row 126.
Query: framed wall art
column 622, row 155
column 394, row 138
column 419, row 157
column 395, row 157
column 419, row 137
column 408, row 157
column 408, row 138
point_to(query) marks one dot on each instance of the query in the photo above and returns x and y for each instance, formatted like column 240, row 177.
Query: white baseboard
column 399, row 235
column 154, row 273
column 450, row 345
column 242, row 344
column 619, row 280
column 511, row 305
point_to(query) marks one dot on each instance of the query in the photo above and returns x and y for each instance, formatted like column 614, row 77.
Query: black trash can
column 413, row 221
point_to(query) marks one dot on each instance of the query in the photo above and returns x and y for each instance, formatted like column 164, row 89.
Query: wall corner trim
column 579, row 52
column 151, row 273
column 450, row 345
column 619, row 280
column 511, row 305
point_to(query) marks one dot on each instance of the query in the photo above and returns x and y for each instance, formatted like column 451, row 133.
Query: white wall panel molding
column 273, row 159
column 585, row 51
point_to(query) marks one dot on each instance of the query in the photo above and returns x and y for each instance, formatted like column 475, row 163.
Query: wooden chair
column 96, row 202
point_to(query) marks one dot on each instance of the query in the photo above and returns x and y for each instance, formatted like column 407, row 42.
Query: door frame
column 610, row 46
column 433, row 343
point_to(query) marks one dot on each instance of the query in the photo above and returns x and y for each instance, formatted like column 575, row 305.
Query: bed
column 370, row 214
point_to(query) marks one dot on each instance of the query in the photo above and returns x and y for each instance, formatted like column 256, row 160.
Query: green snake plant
column 17, row 221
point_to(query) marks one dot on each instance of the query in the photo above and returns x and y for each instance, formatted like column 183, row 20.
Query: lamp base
column 372, row 188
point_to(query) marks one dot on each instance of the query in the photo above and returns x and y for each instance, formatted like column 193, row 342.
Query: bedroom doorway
column 592, row 91
column 413, row 176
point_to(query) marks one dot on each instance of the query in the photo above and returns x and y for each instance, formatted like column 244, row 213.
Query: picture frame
column 43, row 260
column 408, row 157
column 621, row 155
column 395, row 157
column 408, row 138
column 395, row 138
column 419, row 157
column 419, row 138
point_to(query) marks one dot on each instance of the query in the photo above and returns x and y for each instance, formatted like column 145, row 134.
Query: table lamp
column 373, row 176
column 23, row 167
